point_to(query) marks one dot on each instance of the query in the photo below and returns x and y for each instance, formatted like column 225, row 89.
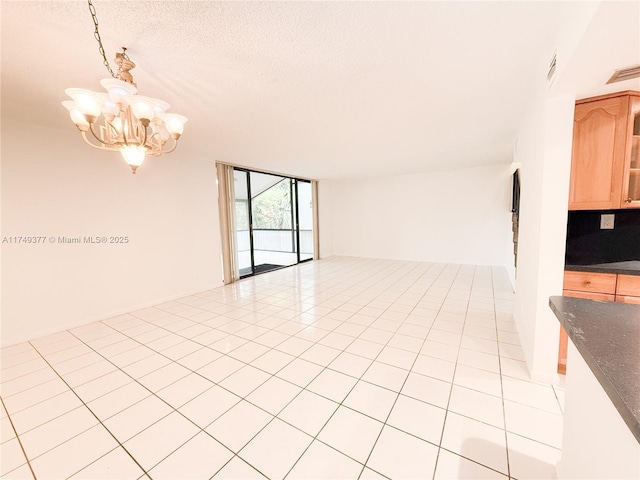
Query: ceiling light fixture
column 134, row 125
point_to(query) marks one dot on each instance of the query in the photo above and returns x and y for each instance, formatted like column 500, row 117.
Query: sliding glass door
column 274, row 221
column 243, row 222
column 305, row 219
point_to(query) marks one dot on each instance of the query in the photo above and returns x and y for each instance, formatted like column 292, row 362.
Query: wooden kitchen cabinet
column 590, row 282
column 628, row 289
column 605, row 161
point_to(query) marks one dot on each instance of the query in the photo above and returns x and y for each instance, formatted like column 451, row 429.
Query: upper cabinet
column 605, row 163
column 631, row 175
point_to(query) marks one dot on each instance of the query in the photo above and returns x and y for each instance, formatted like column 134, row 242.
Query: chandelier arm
column 154, row 143
column 95, row 135
column 160, row 151
column 126, row 125
column 144, row 134
column 97, row 147
column 112, row 131
column 175, row 144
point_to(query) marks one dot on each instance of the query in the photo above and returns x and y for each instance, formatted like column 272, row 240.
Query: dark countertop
column 631, row 267
column 607, row 335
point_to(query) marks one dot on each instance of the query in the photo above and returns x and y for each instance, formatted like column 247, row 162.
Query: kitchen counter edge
column 597, row 330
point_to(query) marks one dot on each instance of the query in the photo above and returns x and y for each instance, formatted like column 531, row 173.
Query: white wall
column 55, row 185
column 456, row 216
column 544, row 152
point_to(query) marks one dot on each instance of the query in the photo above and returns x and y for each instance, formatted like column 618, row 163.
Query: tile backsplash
column 588, row 244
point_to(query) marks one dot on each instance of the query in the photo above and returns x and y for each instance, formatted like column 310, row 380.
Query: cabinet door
column 564, row 339
column 589, row 282
column 598, row 157
column 628, row 285
column 631, row 174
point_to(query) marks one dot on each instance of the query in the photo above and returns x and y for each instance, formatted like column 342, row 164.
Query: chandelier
column 120, row 120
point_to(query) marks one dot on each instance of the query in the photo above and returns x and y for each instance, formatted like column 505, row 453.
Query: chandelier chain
column 96, row 34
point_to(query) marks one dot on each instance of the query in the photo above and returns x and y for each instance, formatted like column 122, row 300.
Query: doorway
column 273, row 221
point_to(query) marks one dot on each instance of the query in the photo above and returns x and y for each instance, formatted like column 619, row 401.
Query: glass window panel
column 305, row 220
column 243, row 237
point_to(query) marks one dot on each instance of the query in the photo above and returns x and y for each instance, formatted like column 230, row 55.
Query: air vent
column 553, row 64
column 625, row 74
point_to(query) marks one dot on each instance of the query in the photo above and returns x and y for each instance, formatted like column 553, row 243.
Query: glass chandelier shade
column 121, row 120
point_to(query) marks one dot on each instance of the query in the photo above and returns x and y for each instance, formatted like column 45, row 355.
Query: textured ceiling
column 314, row 89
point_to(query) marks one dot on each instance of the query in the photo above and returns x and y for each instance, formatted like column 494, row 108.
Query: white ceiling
column 311, row 89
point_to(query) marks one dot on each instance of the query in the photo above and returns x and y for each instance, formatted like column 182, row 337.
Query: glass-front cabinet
column 631, row 197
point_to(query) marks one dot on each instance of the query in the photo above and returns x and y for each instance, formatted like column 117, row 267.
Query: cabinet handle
column 587, row 283
column 628, row 200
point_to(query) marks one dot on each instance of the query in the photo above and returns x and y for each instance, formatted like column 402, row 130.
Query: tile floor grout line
column 384, row 423
column 92, row 413
column 455, row 369
column 235, row 455
column 446, row 410
column 154, row 394
column 145, row 387
column 215, row 383
column 22, row 376
column 504, row 412
column 331, row 416
column 340, row 404
column 176, row 409
column 506, row 477
column 303, row 389
column 555, row 394
column 456, row 363
column 28, row 462
column 37, row 403
column 223, row 354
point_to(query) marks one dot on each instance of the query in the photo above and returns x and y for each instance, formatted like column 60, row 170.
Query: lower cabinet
column 628, row 299
column 606, row 287
column 628, row 289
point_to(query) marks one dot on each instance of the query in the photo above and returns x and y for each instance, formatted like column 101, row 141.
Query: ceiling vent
column 553, row 65
column 625, row 74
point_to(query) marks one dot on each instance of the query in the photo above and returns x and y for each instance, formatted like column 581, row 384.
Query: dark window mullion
column 293, row 220
column 250, row 205
column 297, row 200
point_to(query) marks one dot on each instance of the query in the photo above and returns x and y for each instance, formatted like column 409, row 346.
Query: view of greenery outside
column 242, row 215
column 272, row 208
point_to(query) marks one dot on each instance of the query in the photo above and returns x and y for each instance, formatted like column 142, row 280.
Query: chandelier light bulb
column 117, row 89
column 87, row 102
column 145, row 108
column 174, row 123
column 76, row 115
column 162, row 131
column 110, row 109
column 133, row 155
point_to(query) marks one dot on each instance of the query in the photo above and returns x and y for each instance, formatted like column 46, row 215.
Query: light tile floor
column 343, row 368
